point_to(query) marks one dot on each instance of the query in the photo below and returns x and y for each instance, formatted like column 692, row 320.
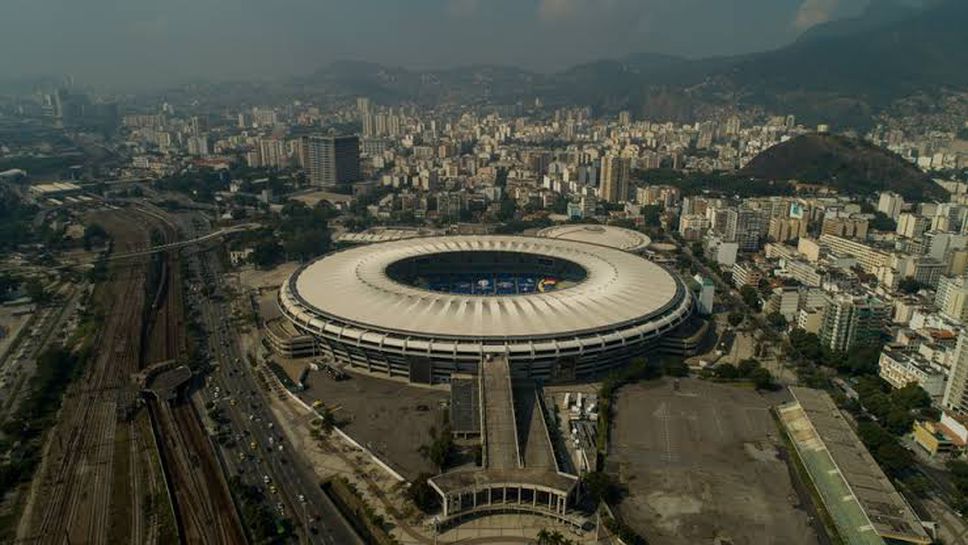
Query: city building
column 614, row 186
column 718, row 250
column 784, row 301
column 845, row 227
column 850, row 321
column 704, row 292
column 891, row 204
column 946, row 437
column 864, row 505
column 331, row 160
column 955, row 397
column 900, row 368
column 873, row 261
column 746, row 274
column 951, row 298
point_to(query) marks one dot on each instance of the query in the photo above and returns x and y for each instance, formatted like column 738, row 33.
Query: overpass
column 183, row 243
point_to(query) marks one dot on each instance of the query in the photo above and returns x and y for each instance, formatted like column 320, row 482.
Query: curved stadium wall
column 368, row 308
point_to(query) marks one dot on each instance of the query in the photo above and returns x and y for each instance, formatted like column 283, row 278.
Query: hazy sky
column 149, row 42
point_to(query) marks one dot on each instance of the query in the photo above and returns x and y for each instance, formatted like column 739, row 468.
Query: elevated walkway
column 519, row 471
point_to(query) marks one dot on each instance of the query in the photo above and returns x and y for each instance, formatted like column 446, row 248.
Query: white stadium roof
column 352, row 286
column 605, row 235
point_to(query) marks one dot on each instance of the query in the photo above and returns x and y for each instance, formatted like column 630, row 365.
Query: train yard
column 112, row 471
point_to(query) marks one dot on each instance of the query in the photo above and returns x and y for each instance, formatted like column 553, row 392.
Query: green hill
column 849, row 165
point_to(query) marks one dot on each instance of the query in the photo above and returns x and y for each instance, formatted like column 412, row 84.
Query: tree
column 94, row 234
column 546, row 537
column 507, row 209
column 750, row 296
column 600, row 487
column 898, row 421
column 776, row 320
column 762, row 379
column 327, row 419
column 652, row 215
column 883, row 222
column 735, row 318
column 267, row 253
column 675, row 367
column 747, row 366
column 441, row 450
column 891, row 456
column 909, row 285
column 726, row 371
column 7, row 285
column 36, row 291
column 911, row 397
column 807, row 344
column 862, row 360
column 422, row 494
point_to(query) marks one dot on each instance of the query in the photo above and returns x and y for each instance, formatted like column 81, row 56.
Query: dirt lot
column 702, row 464
column 391, row 418
column 252, row 278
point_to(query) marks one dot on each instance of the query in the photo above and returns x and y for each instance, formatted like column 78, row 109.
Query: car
column 266, row 479
column 302, row 498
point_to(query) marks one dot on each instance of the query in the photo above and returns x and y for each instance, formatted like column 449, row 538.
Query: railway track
column 80, row 493
column 206, row 513
column 76, row 475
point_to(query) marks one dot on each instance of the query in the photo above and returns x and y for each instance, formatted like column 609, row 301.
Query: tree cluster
column 441, row 451
column 747, row 370
column 894, row 409
column 859, row 361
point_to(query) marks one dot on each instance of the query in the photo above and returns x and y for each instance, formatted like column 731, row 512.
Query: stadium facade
column 426, row 308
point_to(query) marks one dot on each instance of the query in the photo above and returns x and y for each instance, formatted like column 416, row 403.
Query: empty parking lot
column 702, row 466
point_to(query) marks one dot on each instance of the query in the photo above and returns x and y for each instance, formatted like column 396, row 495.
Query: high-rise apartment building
column 952, row 297
column 331, row 160
column 957, row 387
column 890, row 204
column 615, row 179
column 851, row 321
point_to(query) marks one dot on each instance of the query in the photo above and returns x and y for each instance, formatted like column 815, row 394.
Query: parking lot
column 391, row 418
column 702, row 464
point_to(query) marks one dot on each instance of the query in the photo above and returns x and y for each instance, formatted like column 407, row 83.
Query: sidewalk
column 331, row 456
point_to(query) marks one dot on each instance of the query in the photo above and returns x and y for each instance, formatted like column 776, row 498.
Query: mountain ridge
column 834, row 73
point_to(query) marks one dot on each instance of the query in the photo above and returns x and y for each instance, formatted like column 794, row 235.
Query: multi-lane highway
column 261, row 455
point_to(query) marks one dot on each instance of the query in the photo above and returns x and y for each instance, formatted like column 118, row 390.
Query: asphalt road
column 269, row 461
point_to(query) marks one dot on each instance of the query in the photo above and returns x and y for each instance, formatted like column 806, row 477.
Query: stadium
column 424, row 309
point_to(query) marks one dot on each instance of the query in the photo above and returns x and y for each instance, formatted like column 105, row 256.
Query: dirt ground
column 391, row 418
column 252, row 278
column 702, row 466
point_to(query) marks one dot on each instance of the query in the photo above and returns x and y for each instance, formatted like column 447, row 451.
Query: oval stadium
column 605, row 235
column 426, row 308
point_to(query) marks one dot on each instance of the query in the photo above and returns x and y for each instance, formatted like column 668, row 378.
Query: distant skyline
column 147, row 43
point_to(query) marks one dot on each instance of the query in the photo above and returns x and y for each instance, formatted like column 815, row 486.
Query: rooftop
column 861, row 499
column 620, row 289
column 605, row 235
